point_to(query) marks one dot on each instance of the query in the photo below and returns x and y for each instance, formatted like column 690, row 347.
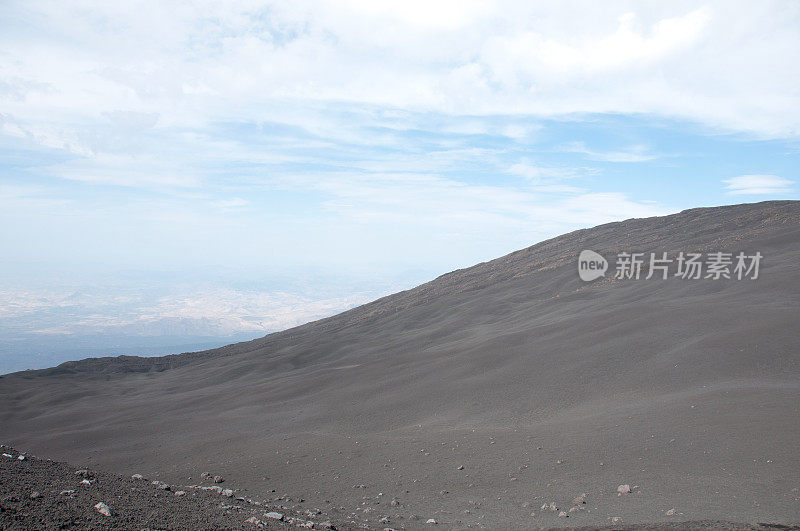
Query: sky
column 203, row 171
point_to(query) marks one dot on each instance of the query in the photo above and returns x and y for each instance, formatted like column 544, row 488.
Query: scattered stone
column 103, row 509
column 35, row 495
column 615, row 519
column 138, row 477
column 575, row 508
column 219, row 479
column 431, row 521
column 206, row 475
column 8, row 455
column 563, row 514
column 579, row 500
column 253, row 520
column 161, row 485
column 21, row 457
column 227, row 492
column 86, row 482
column 274, row 516
column 461, row 467
column 395, row 503
column 533, row 515
column 384, row 520
column 83, row 472
column 671, row 512
column 623, row 489
column 180, row 493
column 69, row 492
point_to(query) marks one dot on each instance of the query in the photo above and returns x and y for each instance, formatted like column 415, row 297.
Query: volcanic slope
column 478, row 397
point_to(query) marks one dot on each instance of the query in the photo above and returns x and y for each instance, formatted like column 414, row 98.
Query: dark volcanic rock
column 30, row 499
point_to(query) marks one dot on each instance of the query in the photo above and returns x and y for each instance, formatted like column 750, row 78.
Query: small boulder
column 253, row 520
column 431, row 521
column 623, row 489
column 180, row 493
column 35, row 495
column 138, row 477
column 219, row 479
column 671, row 512
column 274, row 516
column 563, row 514
column 103, row 509
column 227, row 492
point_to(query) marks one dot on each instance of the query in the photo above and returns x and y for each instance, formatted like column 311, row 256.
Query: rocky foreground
column 43, row 494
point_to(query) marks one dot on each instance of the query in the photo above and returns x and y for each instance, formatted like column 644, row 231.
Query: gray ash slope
column 540, row 386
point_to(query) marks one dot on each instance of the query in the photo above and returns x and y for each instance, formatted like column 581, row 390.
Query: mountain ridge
column 442, row 284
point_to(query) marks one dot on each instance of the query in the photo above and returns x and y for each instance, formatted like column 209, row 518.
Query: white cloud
column 447, row 214
column 727, row 65
column 228, row 204
column 632, row 154
column 758, row 185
